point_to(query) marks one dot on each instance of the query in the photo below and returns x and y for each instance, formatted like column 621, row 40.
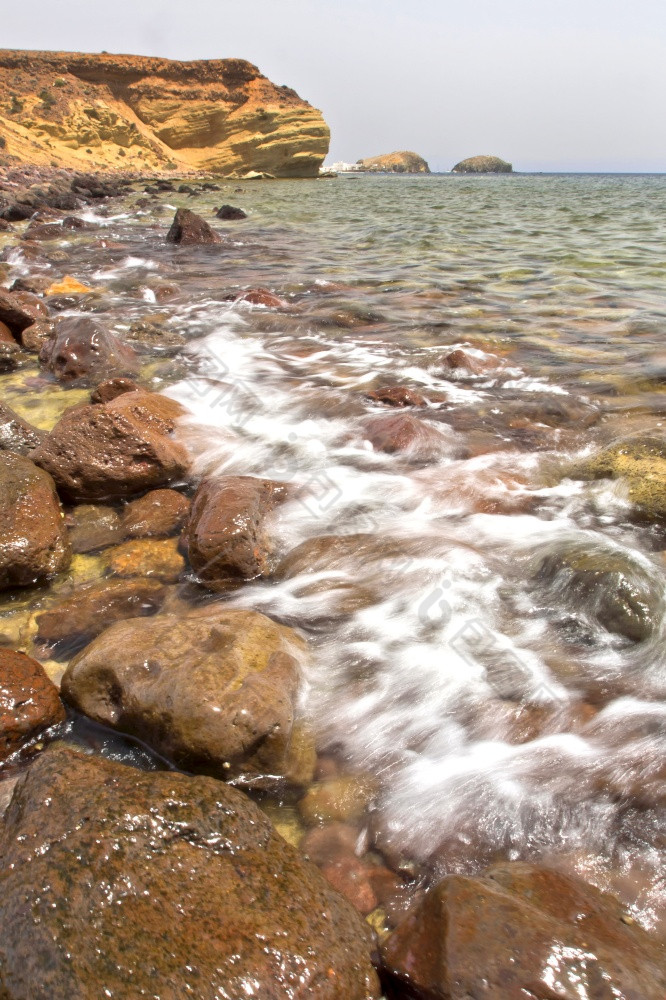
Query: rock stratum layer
column 123, row 112
column 403, row 162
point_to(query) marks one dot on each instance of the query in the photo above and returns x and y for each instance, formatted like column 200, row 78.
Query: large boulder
column 117, row 882
column 189, row 229
column 84, row 349
column 214, row 691
column 29, row 703
column 115, row 449
column 482, row 165
column 523, row 931
column 33, row 539
column 226, row 535
column 16, row 434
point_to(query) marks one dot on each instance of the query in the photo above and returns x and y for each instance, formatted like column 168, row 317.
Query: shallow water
column 460, row 654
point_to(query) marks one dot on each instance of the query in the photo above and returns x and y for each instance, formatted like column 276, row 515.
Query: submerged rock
column 482, row 165
column 641, row 461
column 226, row 536
column 215, row 691
column 396, row 395
column 16, row 434
column 29, row 701
column 84, row 349
column 158, row 558
column 189, row 229
column 33, row 540
column 519, row 931
column 262, row 297
column 207, row 897
column 115, row 449
column 93, row 527
column 402, row 432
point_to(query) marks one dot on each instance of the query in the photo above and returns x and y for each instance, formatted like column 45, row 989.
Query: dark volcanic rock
column 523, row 931
column 207, row 898
column 29, row 702
column 482, row 165
column 159, row 514
column 226, row 535
column 115, row 449
column 33, row 541
column 229, row 212
column 84, row 349
column 214, row 691
column 17, row 434
column 189, row 229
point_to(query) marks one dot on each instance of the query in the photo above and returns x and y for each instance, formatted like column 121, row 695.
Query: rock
column 396, row 395
column 229, row 212
column 29, row 702
column 641, row 461
column 519, row 931
column 93, row 527
column 349, row 876
column 189, row 229
column 402, row 432
column 151, row 557
column 324, row 843
column 12, row 357
column 226, row 535
column 155, row 337
column 68, row 286
column 113, row 387
column 84, row 349
column 17, row 434
column 207, row 899
column 85, row 612
column 6, row 335
column 482, row 165
column 404, row 162
column 262, row 297
column 342, row 799
column 33, row 541
column 461, row 360
column 19, row 310
column 37, row 284
column 7, row 786
column 213, row 691
column 37, row 334
column 115, row 449
column 160, row 513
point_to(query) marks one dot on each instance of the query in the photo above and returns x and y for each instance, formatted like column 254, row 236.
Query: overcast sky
column 549, row 85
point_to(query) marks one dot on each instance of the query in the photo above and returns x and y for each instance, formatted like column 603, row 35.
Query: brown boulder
column 396, row 395
column 84, row 349
column 133, row 883
column 214, row 691
column 81, row 615
column 521, row 931
column 226, row 535
column 402, row 432
column 19, row 310
column 33, row 540
column 93, row 527
column 17, row 434
column 189, row 229
column 159, row 513
column 115, row 449
column 108, row 390
column 29, row 702
column 35, row 336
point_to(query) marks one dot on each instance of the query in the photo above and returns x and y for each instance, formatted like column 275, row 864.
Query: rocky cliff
column 106, row 112
column 403, row 162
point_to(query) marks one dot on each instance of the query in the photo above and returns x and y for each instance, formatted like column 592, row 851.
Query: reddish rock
column 115, row 449
column 29, row 701
column 402, row 432
column 81, row 615
column 113, row 387
column 349, row 876
column 189, row 229
column 322, row 844
column 159, row 514
column 6, row 335
column 37, row 334
column 84, row 349
column 396, row 395
column 159, row 884
column 158, row 558
column 93, row 527
column 214, row 691
column 19, row 310
column 460, row 359
column 33, row 540
column 17, row 434
column 521, row 931
column 226, row 535
column 262, row 297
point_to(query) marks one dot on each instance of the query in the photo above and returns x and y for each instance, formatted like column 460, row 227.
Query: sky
column 553, row 85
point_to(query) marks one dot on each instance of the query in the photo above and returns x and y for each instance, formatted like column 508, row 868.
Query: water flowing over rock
column 404, row 162
column 120, row 112
column 29, row 702
column 214, row 691
column 82, row 348
column 33, row 540
column 482, row 165
column 208, row 900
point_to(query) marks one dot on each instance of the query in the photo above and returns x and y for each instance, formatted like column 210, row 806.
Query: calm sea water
column 456, row 591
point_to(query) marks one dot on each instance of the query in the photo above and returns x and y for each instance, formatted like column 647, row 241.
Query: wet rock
column 115, row 449
column 12, row 357
column 349, row 876
column 113, row 387
column 323, row 843
column 213, row 691
column 159, row 514
column 34, row 283
column 6, row 335
column 33, row 541
column 342, row 799
column 6, row 791
column 84, row 349
column 227, row 537
column 29, row 702
column 641, row 461
column 154, row 336
column 19, row 310
column 229, row 212
column 189, row 229
column 68, row 286
column 74, row 620
column 93, row 527
column 151, row 557
column 17, row 434
column 216, row 899
column 402, row 432
column 461, row 360
column 396, row 395
column 262, row 297
column 520, row 931
column 35, row 336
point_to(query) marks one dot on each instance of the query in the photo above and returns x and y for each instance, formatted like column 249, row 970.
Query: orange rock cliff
column 106, row 112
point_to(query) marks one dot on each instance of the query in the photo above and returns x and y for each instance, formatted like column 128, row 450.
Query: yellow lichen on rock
column 133, row 112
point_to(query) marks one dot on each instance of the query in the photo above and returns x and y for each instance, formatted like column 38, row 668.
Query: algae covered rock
column 482, row 165
column 123, row 883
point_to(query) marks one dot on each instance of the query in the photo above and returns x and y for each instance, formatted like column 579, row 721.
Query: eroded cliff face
column 134, row 112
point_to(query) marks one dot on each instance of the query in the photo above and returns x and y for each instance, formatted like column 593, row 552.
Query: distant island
column 402, row 162
column 482, row 165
